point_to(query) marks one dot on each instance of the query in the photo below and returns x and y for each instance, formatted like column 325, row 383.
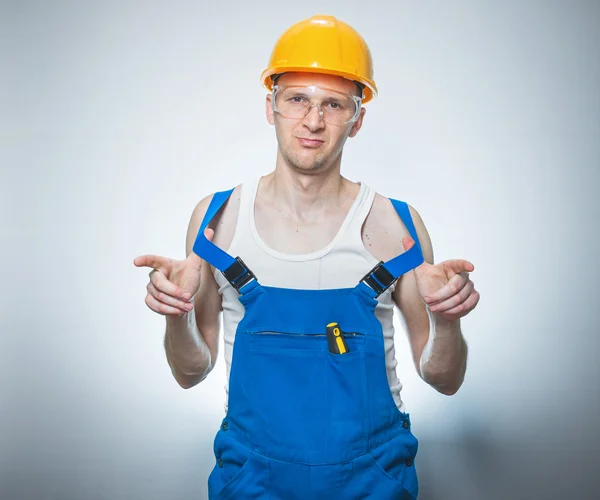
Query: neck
column 305, row 195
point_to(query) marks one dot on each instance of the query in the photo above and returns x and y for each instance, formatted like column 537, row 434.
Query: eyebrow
column 359, row 90
column 325, row 95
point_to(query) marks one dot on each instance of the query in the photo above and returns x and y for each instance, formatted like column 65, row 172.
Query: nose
column 314, row 118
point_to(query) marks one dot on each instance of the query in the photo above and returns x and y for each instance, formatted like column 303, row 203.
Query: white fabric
column 341, row 264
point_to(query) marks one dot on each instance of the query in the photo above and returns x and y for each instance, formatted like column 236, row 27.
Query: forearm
column 187, row 352
column 444, row 358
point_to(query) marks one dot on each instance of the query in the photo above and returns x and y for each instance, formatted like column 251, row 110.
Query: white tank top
column 341, row 264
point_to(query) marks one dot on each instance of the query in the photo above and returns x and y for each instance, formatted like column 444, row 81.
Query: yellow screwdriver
column 335, row 339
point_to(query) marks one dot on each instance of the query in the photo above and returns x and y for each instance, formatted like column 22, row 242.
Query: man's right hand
column 172, row 283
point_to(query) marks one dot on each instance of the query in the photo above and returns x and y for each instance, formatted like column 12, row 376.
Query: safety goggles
column 335, row 108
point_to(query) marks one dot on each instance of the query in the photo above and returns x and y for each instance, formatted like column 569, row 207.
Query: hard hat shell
column 323, row 44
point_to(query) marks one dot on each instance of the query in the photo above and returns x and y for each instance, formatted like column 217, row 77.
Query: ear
column 358, row 123
column 269, row 109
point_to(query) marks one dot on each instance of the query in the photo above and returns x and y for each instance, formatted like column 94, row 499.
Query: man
column 313, row 403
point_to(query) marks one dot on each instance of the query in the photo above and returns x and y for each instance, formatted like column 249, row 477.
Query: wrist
column 440, row 322
column 175, row 323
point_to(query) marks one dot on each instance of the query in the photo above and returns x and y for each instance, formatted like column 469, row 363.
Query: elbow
column 185, row 383
column 190, row 374
column 448, row 390
column 189, row 380
column 447, row 384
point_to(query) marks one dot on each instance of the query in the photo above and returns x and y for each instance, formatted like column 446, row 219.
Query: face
column 310, row 144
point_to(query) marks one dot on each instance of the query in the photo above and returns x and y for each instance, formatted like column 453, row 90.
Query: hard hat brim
column 370, row 90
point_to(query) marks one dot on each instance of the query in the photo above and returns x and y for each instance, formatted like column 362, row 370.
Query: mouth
column 309, row 143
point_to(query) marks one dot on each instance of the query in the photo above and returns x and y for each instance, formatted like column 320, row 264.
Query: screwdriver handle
column 335, row 339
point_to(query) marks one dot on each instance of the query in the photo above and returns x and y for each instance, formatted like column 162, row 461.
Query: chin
column 308, row 166
column 305, row 164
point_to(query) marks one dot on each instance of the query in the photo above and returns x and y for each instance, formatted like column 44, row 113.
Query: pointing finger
column 153, row 261
column 459, row 266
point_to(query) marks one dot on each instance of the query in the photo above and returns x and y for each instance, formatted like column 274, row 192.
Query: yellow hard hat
column 323, row 44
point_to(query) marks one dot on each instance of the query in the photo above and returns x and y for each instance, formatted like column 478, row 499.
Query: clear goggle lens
column 336, row 108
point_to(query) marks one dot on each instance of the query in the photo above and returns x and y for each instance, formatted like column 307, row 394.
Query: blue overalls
column 302, row 422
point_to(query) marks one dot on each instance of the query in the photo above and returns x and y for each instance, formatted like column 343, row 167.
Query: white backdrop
column 119, row 116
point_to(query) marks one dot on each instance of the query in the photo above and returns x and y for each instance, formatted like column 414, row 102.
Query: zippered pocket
column 303, row 341
column 310, row 404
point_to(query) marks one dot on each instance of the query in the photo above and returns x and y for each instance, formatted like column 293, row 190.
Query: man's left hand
column 445, row 287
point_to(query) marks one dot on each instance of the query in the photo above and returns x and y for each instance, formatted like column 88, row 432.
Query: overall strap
column 383, row 275
column 234, row 269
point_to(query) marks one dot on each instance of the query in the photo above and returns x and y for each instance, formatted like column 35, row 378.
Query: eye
column 334, row 105
column 297, row 99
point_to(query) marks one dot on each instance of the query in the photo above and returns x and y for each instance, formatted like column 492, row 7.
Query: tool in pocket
column 335, row 339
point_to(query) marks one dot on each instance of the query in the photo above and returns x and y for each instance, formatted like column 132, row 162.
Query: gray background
column 117, row 117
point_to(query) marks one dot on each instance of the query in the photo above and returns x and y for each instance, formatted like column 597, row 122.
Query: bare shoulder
column 223, row 223
column 383, row 230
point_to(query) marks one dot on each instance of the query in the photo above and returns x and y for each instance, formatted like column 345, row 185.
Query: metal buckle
column 379, row 279
column 238, row 274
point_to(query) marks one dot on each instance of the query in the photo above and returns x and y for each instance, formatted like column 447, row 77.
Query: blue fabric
column 303, row 423
column 411, row 258
column 207, row 249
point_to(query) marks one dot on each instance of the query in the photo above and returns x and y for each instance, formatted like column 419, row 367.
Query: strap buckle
column 238, row 274
column 379, row 279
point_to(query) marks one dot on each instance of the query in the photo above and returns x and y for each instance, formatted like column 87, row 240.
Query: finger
column 154, row 261
column 464, row 308
column 459, row 266
column 196, row 261
column 193, row 257
column 408, row 243
column 456, row 299
column 454, row 285
column 161, row 308
column 162, row 284
column 168, row 299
